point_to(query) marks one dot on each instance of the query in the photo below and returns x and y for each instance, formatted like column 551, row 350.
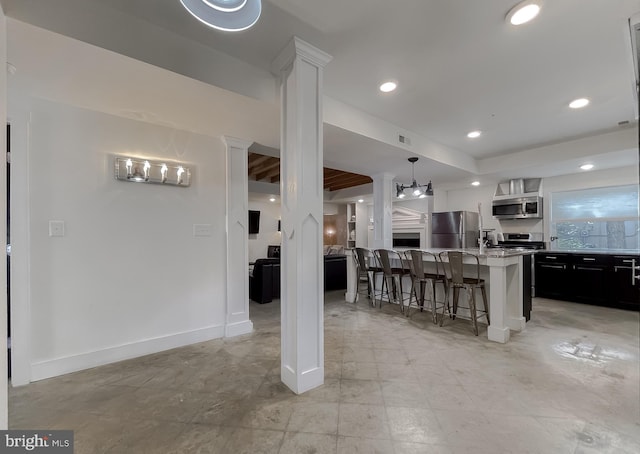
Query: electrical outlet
column 201, row 229
column 56, row 228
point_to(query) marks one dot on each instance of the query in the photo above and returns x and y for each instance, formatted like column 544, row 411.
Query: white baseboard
column 307, row 381
column 239, row 328
column 350, row 297
column 60, row 366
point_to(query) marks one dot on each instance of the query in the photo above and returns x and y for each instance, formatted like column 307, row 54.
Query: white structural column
column 505, row 297
column 237, row 321
column 300, row 68
column 382, row 211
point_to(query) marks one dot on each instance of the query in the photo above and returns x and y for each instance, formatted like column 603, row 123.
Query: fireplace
column 410, row 229
column 406, row 240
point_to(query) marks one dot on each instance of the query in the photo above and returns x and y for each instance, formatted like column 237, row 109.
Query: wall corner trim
column 238, row 328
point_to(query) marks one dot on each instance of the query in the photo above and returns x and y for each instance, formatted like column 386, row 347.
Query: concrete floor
column 568, row 384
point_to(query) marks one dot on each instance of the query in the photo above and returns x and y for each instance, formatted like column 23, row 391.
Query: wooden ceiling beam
column 345, row 179
column 262, row 167
column 335, row 177
column 257, row 159
column 346, row 185
column 268, row 171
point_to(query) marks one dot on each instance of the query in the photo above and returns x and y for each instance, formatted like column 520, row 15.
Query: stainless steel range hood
column 519, row 198
column 519, row 187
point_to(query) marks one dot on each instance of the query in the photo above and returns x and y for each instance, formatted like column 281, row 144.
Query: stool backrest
column 360, row 256
column 384, row 257
column 416, row 262
column 455, row 259
column 456, row 266
column 417, row 258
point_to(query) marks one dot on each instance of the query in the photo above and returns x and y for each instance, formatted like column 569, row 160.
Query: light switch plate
column 56, row 228
column 201, row 229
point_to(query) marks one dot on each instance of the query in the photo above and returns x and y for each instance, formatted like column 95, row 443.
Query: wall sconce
column 144, row 171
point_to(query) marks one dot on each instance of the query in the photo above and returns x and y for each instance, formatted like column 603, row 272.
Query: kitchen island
column 502, row 269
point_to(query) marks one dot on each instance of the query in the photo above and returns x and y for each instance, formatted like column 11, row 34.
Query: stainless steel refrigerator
column 454, row 229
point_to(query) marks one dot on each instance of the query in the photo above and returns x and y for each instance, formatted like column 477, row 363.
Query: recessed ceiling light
column 360, row 200
column 579, row 103
column 475, row 183
column 586, row 166
column 226, row 15
column 272, row 199
column 474, row 134
column 388, row 86
column 523, row 12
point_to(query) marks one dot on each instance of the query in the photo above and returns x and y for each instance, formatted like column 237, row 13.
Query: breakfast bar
column 502, row 270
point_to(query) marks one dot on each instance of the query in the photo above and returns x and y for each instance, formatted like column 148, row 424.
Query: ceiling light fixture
column 226, row 15
column 474, row 134
column 388, row 86
column 272, row 199
column 475, row 183
column 586, row 166
column 415, row 187
column 579, row 103
column 523, row 12
column 360, row 200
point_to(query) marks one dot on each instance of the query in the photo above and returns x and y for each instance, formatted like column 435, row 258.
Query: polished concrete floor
column 568, row 384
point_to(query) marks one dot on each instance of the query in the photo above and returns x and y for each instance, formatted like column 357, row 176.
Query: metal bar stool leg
column 433, row 301
column 486, row 304
column 472, row 308
column 446, row 305
column 456, row 295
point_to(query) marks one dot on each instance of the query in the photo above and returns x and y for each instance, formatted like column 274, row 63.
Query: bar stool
column 366, row 272
column 457, row 281
column 420, row 278
column 391, row 275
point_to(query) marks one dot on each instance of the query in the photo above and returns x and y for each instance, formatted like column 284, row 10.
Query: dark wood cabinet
column 601, row 279
column 625, row 294
column 552, row 275
column 590, row 278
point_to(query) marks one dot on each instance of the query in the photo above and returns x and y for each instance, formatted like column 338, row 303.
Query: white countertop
column 488, row 252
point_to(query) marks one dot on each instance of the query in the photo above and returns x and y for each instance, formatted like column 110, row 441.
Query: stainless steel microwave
column 518, row 208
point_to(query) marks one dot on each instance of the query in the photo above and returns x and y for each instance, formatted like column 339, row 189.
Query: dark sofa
column 264, row 281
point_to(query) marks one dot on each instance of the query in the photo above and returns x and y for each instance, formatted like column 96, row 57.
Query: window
column 597, row 218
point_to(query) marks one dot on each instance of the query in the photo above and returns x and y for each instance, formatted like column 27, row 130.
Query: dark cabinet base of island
column 602, row 279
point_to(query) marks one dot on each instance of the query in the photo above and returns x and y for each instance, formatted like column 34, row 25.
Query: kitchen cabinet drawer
column 594, row 259
column 552, row 257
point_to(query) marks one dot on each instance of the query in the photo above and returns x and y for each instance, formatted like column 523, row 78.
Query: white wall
column 128, row 278
column 467, row 199
column 269, row 215
column 423, row 205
